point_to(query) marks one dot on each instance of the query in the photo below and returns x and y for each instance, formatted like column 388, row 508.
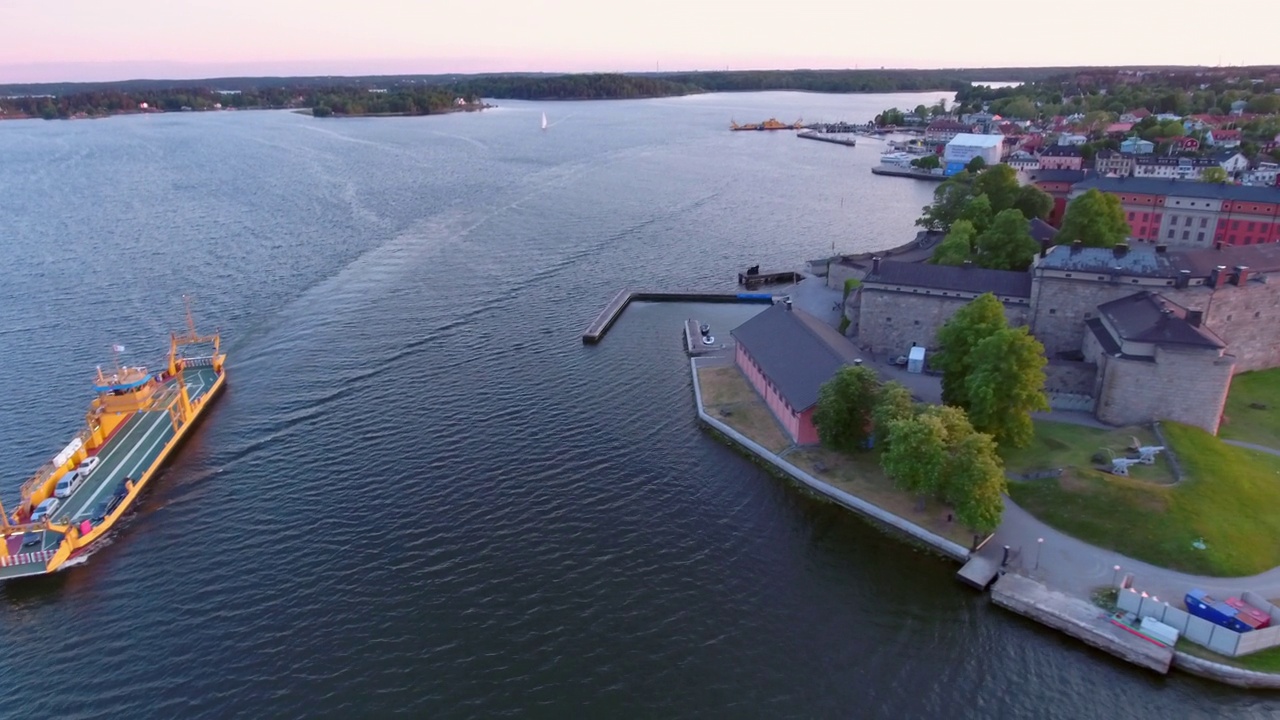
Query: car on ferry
column 87, row 465
column 68, row 484
column 45, row 509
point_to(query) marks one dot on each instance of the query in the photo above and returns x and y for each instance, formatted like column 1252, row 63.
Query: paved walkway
column 1252, row 446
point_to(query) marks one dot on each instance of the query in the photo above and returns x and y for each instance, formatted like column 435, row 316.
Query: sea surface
column 421, row 495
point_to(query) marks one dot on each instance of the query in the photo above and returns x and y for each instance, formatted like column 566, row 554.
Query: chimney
column 1195, row 317
column 1242, row 275
column 1076, row 245
column 1218, row 277
column 1044, row 248
column 875, row 265
column 1183, row 280
column 1161, row 248
column 787, row 301
column 1121, row 249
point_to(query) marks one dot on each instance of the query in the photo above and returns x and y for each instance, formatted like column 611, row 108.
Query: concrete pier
column 1080, row 619
column 598, row 327
column 902, row 172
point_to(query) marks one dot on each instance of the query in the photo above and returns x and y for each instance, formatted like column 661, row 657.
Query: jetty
column 902, row 172
column 609, row 315
column 753, row 278
column 814, row 135
column 1080, row 619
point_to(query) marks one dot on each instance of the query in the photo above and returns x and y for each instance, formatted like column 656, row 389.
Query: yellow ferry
column 138, row 418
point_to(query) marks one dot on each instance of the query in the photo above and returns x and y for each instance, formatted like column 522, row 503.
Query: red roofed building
column 1224, row 138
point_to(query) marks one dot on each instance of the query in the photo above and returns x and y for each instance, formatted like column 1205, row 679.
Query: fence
column 1217, row 638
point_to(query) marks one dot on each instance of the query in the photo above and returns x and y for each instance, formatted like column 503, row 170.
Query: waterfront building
column 939, row 132
column 964, row 147
column 787, row 354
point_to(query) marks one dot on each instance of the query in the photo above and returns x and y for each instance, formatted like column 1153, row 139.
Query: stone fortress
column 1132, row 333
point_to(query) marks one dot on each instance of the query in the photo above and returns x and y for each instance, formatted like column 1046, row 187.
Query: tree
column 977, row 211
column 916, row 455
column 949, row 199
column 1000, row 184
column 976, row 482
column 894, row 403
column 957, row 246
column 1005, row 384
column 1096, row 219
column 1213, row 174
column 979, row 319
column 1021, row 108
column 921, row 111
column 976, row 164
column 927, row 162
column 1033, row 202
column 1264, row 104
column 845, row 404
column 1007, row 244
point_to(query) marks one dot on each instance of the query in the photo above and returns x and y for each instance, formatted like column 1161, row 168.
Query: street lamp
column 1039, row 545
column 1115, row 574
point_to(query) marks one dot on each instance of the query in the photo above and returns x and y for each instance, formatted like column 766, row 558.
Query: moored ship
column 136, row 421
column 770, row 124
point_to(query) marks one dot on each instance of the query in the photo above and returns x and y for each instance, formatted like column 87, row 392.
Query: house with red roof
column 1182, row 143
column 1224, row 138
column 1135, row 115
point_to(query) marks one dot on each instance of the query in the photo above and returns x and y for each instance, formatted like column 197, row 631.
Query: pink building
column 787, row 355
column 1061, row 157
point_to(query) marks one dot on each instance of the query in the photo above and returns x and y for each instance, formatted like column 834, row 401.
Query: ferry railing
column 39, row 556
column 47, row 470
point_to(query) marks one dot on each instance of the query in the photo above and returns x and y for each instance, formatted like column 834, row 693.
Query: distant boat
column 544, row 121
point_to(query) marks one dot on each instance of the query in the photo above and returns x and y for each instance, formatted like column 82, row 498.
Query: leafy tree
column 978, row 212
column 1005, row 384
column 949, row 200
column 1213, row 174
column 1096, row 219
column 1007, row 244
column 1021, row 108
column 976, row 164
column 1000, row 184
column 1264, row 104
column 1033, row 202
column 979, row 319
column 845, row 404
column 976, row 482
column 894, row 403
column 916, row 454
column 921, row 111
column 927, row 162
column 957, row 246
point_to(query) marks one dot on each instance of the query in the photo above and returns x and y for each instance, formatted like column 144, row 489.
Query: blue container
column 1200, row 604
column 755, row 297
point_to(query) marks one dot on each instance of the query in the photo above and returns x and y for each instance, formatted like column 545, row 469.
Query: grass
column 1263, row 661
column 1227, row 498
column 861, row 475
column 727, row 395
column 1072, row 447
column 725, row 388
column 1255, row 425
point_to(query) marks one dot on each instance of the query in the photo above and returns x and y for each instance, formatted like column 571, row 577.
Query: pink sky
column 56, row 40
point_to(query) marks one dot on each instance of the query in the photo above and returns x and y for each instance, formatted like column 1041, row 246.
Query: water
column 420, row 493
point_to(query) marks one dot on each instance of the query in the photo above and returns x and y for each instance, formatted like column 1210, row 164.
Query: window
column 1145, row 217
column 1235, row 224
column 1186, row 234
column 1171, row 234
column 1053, row 311
column 1187, row 223
column 1250, row 226
column 1199, row 237
column 1130, row 217
column 1204, row 222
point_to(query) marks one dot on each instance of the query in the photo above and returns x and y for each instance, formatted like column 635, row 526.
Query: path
column 1252, row 446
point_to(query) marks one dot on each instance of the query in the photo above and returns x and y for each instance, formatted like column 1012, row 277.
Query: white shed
column 915, row 360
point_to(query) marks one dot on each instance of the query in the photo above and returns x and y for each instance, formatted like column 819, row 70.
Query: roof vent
column 1076, row 245
column 1121, row 249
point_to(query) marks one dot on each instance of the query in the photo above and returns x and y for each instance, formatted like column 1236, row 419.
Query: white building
column 966, row 146
column 1265, row 174
column 1072, row 139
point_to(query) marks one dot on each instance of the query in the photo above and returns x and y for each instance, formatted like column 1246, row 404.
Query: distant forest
column 425, row 94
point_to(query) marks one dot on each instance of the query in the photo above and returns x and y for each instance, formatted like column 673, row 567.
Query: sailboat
column 544, row 121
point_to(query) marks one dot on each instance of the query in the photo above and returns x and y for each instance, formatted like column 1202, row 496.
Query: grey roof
column 1062, row 151
column 1041, row 231
column 1148, row 317
column 1165, row 186
column 1068, row 176
column 949, row 277
column 1143, row 260
column 796, row 351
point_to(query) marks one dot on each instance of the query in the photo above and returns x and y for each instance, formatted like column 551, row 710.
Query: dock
column 979, row 572
column 609, row 315
column 900, row 172
column 693, row 345
column 1080, row 619
column 753, row 278
column 812, row 135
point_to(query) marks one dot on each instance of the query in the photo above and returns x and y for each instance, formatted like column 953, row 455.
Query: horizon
column 150, row 39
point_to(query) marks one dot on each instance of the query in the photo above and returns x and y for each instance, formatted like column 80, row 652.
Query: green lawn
column 1229, row 496
column 1262, row 661
column 1260, row 426
column 1063, row 445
